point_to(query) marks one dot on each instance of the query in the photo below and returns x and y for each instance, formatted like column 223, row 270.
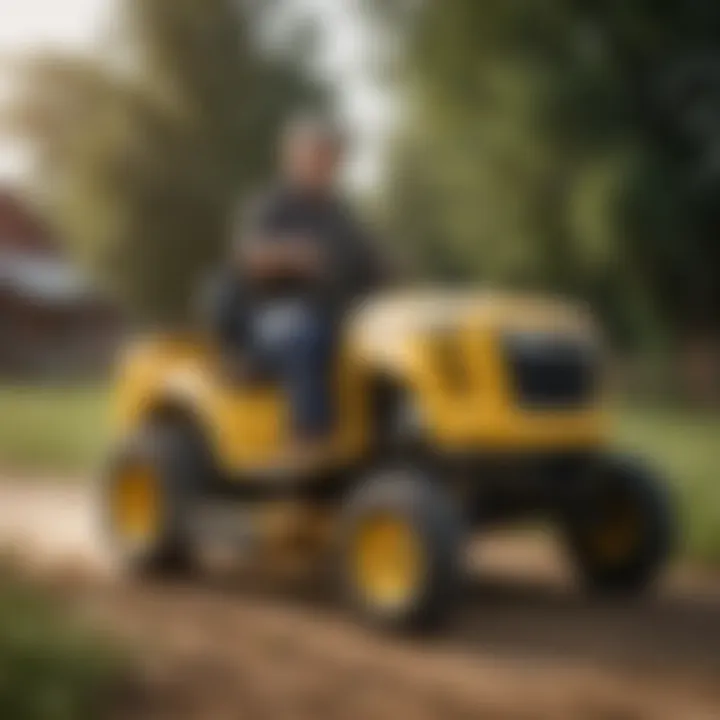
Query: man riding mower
column 426, row 418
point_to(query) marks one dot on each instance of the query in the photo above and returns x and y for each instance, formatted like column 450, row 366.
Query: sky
column 77, row 25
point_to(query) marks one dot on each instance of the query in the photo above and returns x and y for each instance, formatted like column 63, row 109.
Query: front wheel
column 620, row 533
column 147, row 500
column 400, row 551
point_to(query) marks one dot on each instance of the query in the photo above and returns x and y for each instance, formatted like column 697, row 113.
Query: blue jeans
column 298, row 343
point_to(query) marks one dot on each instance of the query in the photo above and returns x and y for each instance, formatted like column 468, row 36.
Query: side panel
column 462, row 389
column 479, row 411
column 251, row 425
column 246, row 425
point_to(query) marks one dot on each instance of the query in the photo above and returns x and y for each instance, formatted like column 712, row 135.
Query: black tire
column 626, row 480
column 173, row 455
column 436, row 525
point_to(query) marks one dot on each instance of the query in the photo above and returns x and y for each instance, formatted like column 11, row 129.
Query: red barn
column 51, row 321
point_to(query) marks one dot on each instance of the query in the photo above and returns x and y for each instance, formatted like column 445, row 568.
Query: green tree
column 566, row 144
column 143, row 156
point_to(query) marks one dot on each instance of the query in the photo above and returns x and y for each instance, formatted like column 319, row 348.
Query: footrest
column 225, row 523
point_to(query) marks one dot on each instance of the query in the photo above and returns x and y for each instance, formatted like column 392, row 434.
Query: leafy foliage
column 567, row 144
column 49, row 669
column 142, row 157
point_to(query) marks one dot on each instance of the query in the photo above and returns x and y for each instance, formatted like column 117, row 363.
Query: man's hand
column 295, row 256
column 306, row 255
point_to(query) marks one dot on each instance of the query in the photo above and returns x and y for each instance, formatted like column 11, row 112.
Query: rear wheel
column 400, row 551
column 147, row 500
column 620, row 536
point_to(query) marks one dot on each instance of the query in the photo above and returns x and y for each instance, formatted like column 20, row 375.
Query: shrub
column 51, row 668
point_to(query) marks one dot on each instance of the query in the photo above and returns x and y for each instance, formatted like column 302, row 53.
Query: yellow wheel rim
column 136, row 505
column 388, row 561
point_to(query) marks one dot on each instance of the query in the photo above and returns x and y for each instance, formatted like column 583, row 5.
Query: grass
column 685, row 447
column 63, row 432
column 52, row 430
column 51, row 668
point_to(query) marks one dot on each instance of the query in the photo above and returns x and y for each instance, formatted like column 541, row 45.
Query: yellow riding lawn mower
column 455, row 411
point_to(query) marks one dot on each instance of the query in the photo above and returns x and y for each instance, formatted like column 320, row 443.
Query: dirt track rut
column 524, row 644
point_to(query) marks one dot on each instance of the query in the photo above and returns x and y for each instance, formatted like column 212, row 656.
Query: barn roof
column 43, row 279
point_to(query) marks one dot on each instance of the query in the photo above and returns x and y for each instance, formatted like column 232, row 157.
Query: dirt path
column 524, row 645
